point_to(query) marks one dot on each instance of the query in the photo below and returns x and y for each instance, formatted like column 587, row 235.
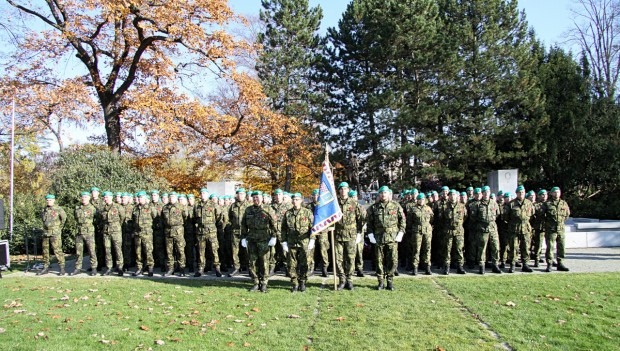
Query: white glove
column 372, row 239
column 311, row 244
column 399, row 237
column 285, row 246
column 272, row 242
column 358, row 239
column 244, row 243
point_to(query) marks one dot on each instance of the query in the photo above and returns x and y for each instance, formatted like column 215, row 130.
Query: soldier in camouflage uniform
column 502, row 228
column 259, row 232
column 189, row 232
column 54, row 219
column 386, row 224
column 207, row 215
column 85, row 215
column 127, row 228
column 173, row 216
column 419, row 218
column 359, row 246
column 296, row 241
column 484, row 216
column 519, row 229
column 97, row 201
column 143, row 216
column 112, row 216
column 439, row 232
column 159, row 240
column 279, row 206
column 471, row 241
column 451, row 218
column 235, row 215
column 348, row 233
column 322, row 251
column 556, row 212
column 538, row 226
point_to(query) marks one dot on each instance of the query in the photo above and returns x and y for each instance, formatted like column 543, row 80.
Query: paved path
column 578, row 260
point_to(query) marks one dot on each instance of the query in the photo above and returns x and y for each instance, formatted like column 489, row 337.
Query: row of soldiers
column 262, row 229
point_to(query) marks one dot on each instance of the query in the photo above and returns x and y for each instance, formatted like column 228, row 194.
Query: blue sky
column 551, row 19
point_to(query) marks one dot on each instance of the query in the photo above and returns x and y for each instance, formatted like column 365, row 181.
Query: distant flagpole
column 12, row 170
column 328, row 211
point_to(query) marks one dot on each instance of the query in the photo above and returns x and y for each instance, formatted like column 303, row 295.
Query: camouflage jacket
column 54, row 218
column 518, row 216
column 452, row 216
column 556, row 213
column 173, row 215
column 352, row 222
column 385, row 220
column 484, row 215
column 112, row 217
column 85, row 218
column 235, row 215
column 143, row 217
column 419, row 219
column 207, row 215
column 259, row 223
column 296, row 226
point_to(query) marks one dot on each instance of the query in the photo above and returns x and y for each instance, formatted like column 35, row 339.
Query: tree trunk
column 112, row 118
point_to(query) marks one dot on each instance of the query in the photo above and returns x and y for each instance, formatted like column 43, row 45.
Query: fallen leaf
column 360, row 305
column 510, row 304
column 144, row 327
column 104, row 341
column 340, row 319
column 230, row 344
column 437, row 348
column 159, row 342
column 293, row 316
column 41, row 334
column 64, row 298
column 561, row 321
column 255, row 309
column 238, row 321
column 175, row 340
column 2, row 330
column 246, row 344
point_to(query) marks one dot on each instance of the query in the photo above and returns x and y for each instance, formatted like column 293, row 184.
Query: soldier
column 483, row 215
column 348, row 233
column 556, row 213
column 538, row 226
column 143, row 216
column 119, row 197
column 519, row 229
column 471, row 242
column 188, row 232
column 419, row 218
column 159, row 240
column 54, row 218
column 438, row 231
column 112, row 217
column 235, row 215
column 207, row 216
column 96, row 201
column 386, row 228
column 259, row 232
column 502, row 228
column 322, row 239
column 85, row 215
column 297, row 241
column 359, row 246
column 279, row 206
column 173, row 216
column 451, row 217
column 165, row 199
column 127, row 228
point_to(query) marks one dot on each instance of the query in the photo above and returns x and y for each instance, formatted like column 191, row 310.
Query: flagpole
column 12, row 171
column 330, row 230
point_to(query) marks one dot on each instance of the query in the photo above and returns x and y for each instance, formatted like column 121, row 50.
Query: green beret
column 542, row 192
column 453, row 191
column 414, row 190
column 190, row 195
column 164, row 194
column 492, row 196
column 94, row 189
column 50, row 196
column 257, row 193
column 435, row 192
column 126, row 194
column 506, row 195
column 141, row 193
column 500, row 193
column 420, row 196
column 555, row 188
column 204, row 190
column 85, row 193
column 278, row 191
column 240, row 190
column 429, row 194
column 297, row 195
column 470, row 188
column 444, row 188
column 343, row 185
column 486, row 188
column 520, row 188
column 286, row 193
column 173, row 193
column 315, row 192
column 384, row 189
column 154, row 191
column 463, row 193
column 118, row 193
column 182, row 196
column 107, row 193
column 212, row 196
column 477, row 191
column 530, row 193
column 352, row 193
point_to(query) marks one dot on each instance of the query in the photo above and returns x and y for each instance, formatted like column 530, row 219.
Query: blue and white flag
column 328, row 210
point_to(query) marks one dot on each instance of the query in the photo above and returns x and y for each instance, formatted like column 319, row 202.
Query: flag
column 328, row 210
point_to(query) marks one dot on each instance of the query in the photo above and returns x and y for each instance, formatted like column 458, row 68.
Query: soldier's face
column 421, row 202
column 142, row 200
column 384, row 196
column 486, row 195
column 470, row 194
column 279, row 198
column 240, row 197
column 119, row 199
column 165, row 200
column 183, row 201
column 544, row 197
column 454, row 197
column 532, row 198
column 297, row 202
column 556, row 194
column 257, row 200
column 107, row 199
column 50, row 202
column 191, row 200
column 126, row 200
column 344, row 192
column 445, row 194
column 204, row 196
column 464, row 199
column 506, row 200
column 155, row 198
column 174, row 199
column 95, row 194
column 521, row 194
column 85, row 200
column 479, row 196
column 315, row 197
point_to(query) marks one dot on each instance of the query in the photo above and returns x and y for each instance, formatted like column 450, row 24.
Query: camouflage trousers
column 239, row 253
column 555, row 240
column 321, row 249
column 99, row 248
column 345, row 259
column 113, row 241
column 503, row 245
column 518, row 242
column 421, row 248
column 453, row 239
column 277, row 256
column 159, row 248
column 87, row 241
column 143, row 243
column 537, row 239
column 55, row 242
column 359, row 256
column 128, row 248
column 207, row 243
column 175, row 243
column 297, row 260
column 471, row 245
column 259, row 255
column 386, row 254
column 491, row 238
column 190, row 245
column 437, row 246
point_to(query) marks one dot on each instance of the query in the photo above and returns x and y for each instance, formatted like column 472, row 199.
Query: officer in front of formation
column 54, row 219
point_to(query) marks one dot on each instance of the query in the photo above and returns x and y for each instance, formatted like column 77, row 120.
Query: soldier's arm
column 244, row 227
column 284, row 228
column 121, row 213
column 402, row 222
column 63, row 216
column 311, row 217
column 360, row 217
column 370, row 225
column 273, row 223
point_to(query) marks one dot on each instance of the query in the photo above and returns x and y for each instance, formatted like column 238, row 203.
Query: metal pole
column 331, row 234
column 12, row 169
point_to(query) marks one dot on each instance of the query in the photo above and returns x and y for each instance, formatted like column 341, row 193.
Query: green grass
column 126, row 314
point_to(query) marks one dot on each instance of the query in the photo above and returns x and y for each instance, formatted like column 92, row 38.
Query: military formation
column 264, row 233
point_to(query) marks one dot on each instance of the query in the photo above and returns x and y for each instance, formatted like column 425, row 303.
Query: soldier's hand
column 244, row 243
column 358, row 239
column 285, row 247
column 399, row 237
column 311, row 244
column 272, row 242
column 372, row 239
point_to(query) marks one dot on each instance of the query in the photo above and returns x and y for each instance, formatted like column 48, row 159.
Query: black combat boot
column 324, row 272
column 233, row 273
column 169, row 272
column 380, row 285
column 62, row 270
column 460, row 270
column 136, row 272
column 390, row 285
column 340, row 286
column 512, row 268
column 481, row 270
column 536, row 265
column 548, row 268
column 360, row 273
column 150, row 274
column 414, row 271
column 302, row 286
column 120, row 272
column 44, row 271
column 218, row 273
column 294, row 288
column 562, row 267
column 446, row 270
column 182, row 272
column 526, row 268
column 396, row 274
column 197, row 273
column 263, row 287
column 107, row 271
column 496, row 269
column 428, row 270
column 349, row 285
column 76, row 271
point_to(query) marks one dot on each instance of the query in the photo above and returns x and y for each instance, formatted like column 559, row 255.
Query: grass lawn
column 569, row 311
